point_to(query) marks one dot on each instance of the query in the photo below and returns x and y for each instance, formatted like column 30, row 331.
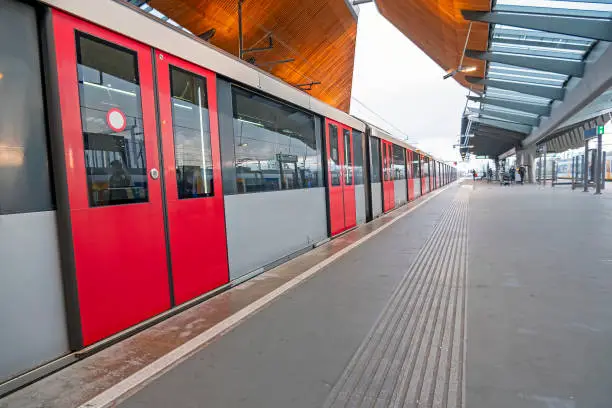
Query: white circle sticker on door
column 116, row 120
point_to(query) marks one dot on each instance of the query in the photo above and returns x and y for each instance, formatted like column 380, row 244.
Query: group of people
column 516, row 175
column 489, row 174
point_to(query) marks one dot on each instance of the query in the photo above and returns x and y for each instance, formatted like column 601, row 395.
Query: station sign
column 594, row 132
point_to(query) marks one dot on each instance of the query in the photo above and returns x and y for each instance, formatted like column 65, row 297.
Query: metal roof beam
column 595, row 28
column 512, row 117
column 529, row 89
column 559, row 66
column 536, row 43
column 499, row 132
column 514, row 127
column 543, row 110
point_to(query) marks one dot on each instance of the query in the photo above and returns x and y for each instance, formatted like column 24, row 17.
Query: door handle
column 154, row 173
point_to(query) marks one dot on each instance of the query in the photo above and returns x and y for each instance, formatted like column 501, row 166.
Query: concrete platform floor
column 484, row 296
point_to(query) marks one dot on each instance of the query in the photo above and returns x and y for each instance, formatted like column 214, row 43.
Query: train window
column 375, row 159
column 358, row 156
column 389, row 165
column 399, row 163
column 191, row 128
column 334, row 156
column 416, row 166
column 408, row 165
column 275, row 145
column 112, row 125
column 385, row 162
column 348, row 158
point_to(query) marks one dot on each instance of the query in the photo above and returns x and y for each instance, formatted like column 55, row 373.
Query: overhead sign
column 594, row 132
column 482, row 157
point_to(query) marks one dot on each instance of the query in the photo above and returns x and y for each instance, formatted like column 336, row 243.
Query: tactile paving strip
column 414, row 355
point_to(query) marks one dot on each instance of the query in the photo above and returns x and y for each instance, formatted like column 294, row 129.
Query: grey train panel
column 401, row 192
column 32, row 316
column 377, row 208
column 264, row 227
column 25, row 185
column 360, row 203
column 417, row 188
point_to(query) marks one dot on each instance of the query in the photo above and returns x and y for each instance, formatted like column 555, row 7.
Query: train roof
column 382, row 134
column 131, row 21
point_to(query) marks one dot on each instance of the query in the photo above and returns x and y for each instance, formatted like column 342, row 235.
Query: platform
column 476, row 296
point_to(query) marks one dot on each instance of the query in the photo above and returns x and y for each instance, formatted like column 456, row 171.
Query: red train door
column 410, row 175
column 424, row 175
column 342, row 205
column 388, row 188
column 192, row 173
column 112, row 164
column 350, row 205
column 434, row 178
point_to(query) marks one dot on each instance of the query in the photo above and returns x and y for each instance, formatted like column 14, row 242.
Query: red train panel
column 341, row 173
column 388, row 185
column 109, row 126
column 409, row 175
column 192, row 169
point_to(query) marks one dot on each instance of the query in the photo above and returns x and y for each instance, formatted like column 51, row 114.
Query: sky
column 402, row 88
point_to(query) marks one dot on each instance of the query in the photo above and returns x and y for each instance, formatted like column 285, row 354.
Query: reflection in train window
column 275, row 145
column 334, row 156
column 416, row 165
column 348, row 158
column 375, row 159
column 399, row 163
column 111, row 120
column 358, row 156
column 191, row 128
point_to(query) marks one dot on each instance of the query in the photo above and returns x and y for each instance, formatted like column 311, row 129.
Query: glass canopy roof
column 529, row 69
column 512, row 42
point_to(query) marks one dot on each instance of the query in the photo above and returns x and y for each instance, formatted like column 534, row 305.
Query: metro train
column 145, row 169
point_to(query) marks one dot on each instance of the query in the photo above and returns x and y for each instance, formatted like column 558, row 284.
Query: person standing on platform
column 522, row 174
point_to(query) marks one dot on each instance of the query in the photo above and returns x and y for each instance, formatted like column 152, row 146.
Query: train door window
column 334, row 156
column 409, row 170
column 385, row 153
column 416, row 168
column 375, row 159
column 348, row 158
column 358, row 155
column 112, row 124
column 191, row 128
column 399, row 163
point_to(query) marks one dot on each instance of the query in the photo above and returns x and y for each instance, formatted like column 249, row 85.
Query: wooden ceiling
column 437, row 27
column 319, row 34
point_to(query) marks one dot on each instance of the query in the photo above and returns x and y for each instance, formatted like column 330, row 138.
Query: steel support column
column 585, row 175
column 598, row 164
